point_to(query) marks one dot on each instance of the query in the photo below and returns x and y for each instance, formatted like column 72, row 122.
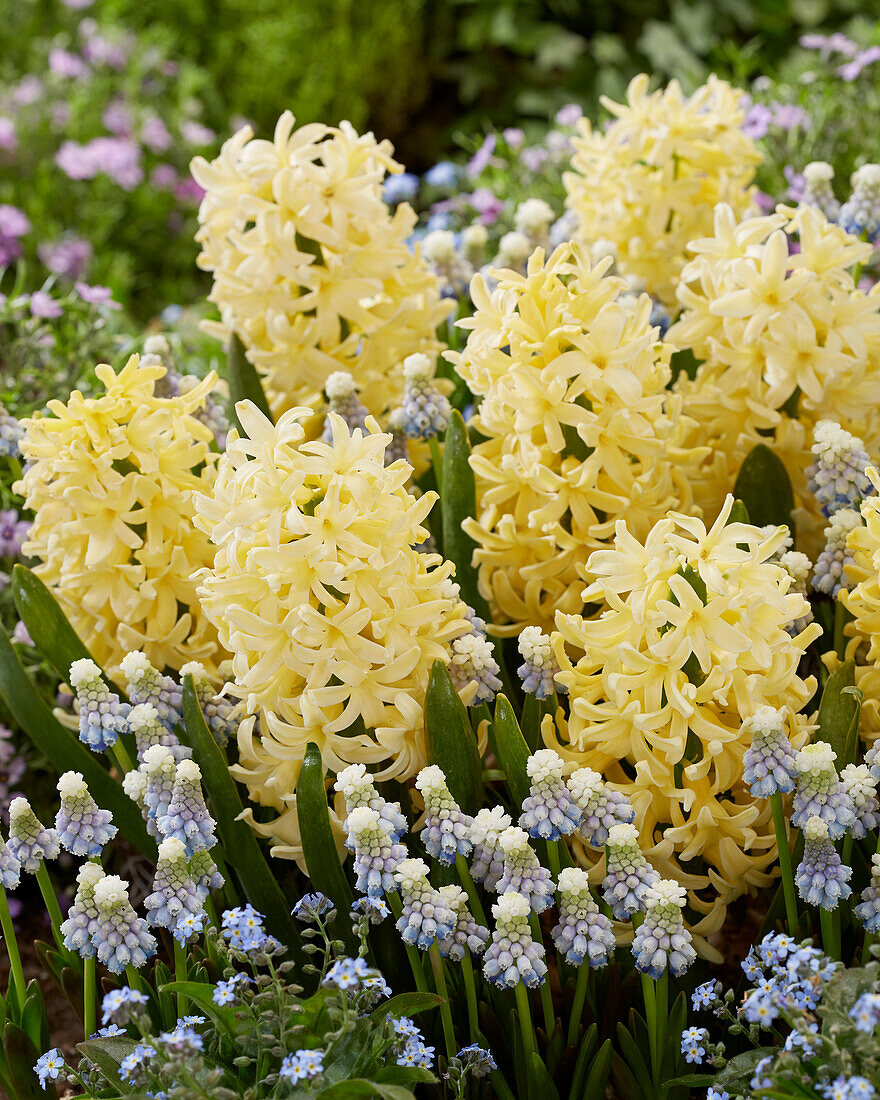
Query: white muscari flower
column 799, row 567
column 467, row 935
column 376, row 854
column 187, row 816
column 837, row 478
column 628, row 875
column 533, row 219
column 539, row 663
column 861, row 786
column 426, row 917
column 10, row 868
column 829, row 572
column 120, row 936
column 147, row 685
column 600, row 806
column 860, row 214
column 868, row 909
column 176, row 893
column 143, row 722
column 514, row 250
column 818, row 191
column 101, row 715
column 522, row 873
column 820, row 792
column 425, row 409
column 583, row 933
column 83, row 828
column 821, row 878
column 662, row 939
column 356, row 786
column 30, row 842
column 204, row 870
column 160, row 769
column 549, row 811
column 473, row 668
column 342, row 398
column 82, row 917
column 453, row 270
column 474, row 239
column 513, row 956
column 768, row 762
column 487, row 865
column 134, row 783
column 447, row 831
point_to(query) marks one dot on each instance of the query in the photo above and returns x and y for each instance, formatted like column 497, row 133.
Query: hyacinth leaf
column 597, row 1081
column 47, row 624
column 406, row 1004
column 839, row 714
column 107, row 1054
column 738, row 513
column 585, row 1050
column 513, row 752
column 34, row 1020
column 459, row 504
column 634, row 1060
column 316, row 833
column 764, row 488
column 240, row 846
column 451, row 742
column 540, row 1081
column 244, row 381
column 61, row 747
column 20, row 1054
column 359, row 1086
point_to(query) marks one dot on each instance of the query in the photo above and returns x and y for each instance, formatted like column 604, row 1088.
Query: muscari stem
column 470, row 992
column 415, row 962
column 546, row 998
column 89, row 1006
column 180, row 972
column 436, row 462
column 52, row 906
column 661, row 1002
column 829, row 937
column 445, row 1012
column 15, row 969
column 577, row 1005
column 524, row 1011
column 785, row 869
column 120, row 755
column 464, row 877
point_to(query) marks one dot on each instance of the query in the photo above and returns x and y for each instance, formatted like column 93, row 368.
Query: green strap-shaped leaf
column 107, row 1054
column 839, row 714
column 459, row 504
column 764, row 488
column 244, row 381
column 598, row 1078
column 513, row 752
column 406, row 1004
column 63, row 750
column 316, row 834
column 33, row 1018
column 585, row 1051
column 19, row 1055
column 738, row 513
column 240, row 846
column 451, row 741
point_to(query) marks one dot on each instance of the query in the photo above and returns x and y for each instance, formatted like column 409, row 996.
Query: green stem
column 415, row 962
column 52, row 906
column 180, row 973
column 577, row 1005
column 553, row 859
column 829, row 938
column 445, row 1012
column 524, row 1011
column 89, row 1007
column 661, row 1006
column 470, row 889
column 437, row 462
column 470, row 992
column 785, row 869
column 650, row 999
column 120, row 755
column 546, row 998
column 15, row 968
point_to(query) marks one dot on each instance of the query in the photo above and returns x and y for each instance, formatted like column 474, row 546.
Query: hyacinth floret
column 121, row 937
column 341, row 391
column 628, row 875
column 818, row 191
column 102, row 717
column 426, row 916
column 143, row 722
column 860, row 214
column 539, row 663
column 821, row 877
column 868, row 908
column 376, row 855
column 356, row 786
column 836, row 558
column 522, row 873
column 768, row 762
column 447, row 830
column 160, row 770
column 548, row 811
column 425, row 409
column 147, row 685
column 10, row 868
column 487, row 864
column 872, row 759
column 513, row 956
column 662, row 940
column 83, row 828
column 861, row 786
column 467, row 935
column 176, row 893
column 187, row 817
column 30, row 842
column 220, row 713
column 473, row 668
column 600, row 806
column 820, row 792
column 80, row 927
column 583, row 932
column 837, row 478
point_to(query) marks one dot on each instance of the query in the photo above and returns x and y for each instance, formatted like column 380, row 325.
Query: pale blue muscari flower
column 143, row 722
column 583, row 932
column 828, row 574
column 872, row 759
column 220, row 713
column 487, row 865
column 447, row 830
column 187, row 817
column 768, row 762
column 426, row 917
column 83, row 828
column 160, row 770
column 398, row 447
column 539, row 665
column 121, row 937
column 837, row 478
column 204, row 870
column 147, row 685
column 821, row 878
column 548, row 811
column 473, row 668
column 523, row 872
column 818, row 176
column 376, row 855
column 628, row 875
column 450, row 265
column 102, row 717
column 342, row 399
column 356, row 786
column 861, row 786
column 860, row 214
column 467, row 935
column 514, row 956
column 426, row 410
column 662, row 940
column 30, row 842
column 868, row 909
column 10, row 868
column 175, row 892
column 600, row 806
column 820, row 792
column 82, row 917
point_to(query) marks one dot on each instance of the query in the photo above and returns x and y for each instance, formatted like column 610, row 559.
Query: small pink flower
column 96, row 295
column 8, row 139
column 43, row 305
column 67, row 64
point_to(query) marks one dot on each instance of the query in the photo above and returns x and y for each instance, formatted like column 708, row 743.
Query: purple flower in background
column 101, row 51
column 154, row 134
column 21, row 636
column 67, row 64
column 96, row 295
column 116, row 157
column 13, row 222
column 533, row 157
column 164, row 177
column 796, row 183
column 764, row 201
column 75, row 161
column 514, row 136
column 12, row 769
column 77, row 5
column 117, row 118
column 853, row 68
column 757, row 121
column 569, row 115
column 27, row 91
column 194, row 133
column 828, row 44
column 481, row 158
column 187, row 190
column 43, row 305
column 13, row 532
column 487, row 205
column 68, row 257
column 60, row 115
column 787, row 116
column 8, row 139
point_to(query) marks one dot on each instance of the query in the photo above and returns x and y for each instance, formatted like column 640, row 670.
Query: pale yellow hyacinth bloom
column 580, row 429
column 332, row 616
column 773, row 329
column 111, row 481
column 310, row 268
column 863, row 602
column 692, row 639
column 650, row 181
